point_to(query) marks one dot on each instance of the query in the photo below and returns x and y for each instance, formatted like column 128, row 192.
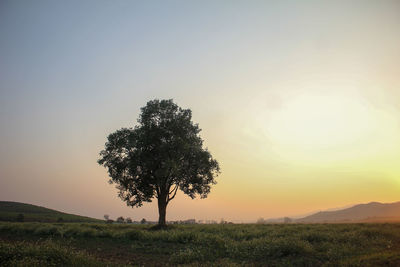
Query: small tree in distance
column 162, row 154
column 287, row 220
column 120, row 219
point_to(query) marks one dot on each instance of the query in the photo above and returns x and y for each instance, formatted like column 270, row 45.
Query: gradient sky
column 299, row 101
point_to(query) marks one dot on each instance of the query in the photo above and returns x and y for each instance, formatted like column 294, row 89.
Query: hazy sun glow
column 320, row 121
column 330, row 125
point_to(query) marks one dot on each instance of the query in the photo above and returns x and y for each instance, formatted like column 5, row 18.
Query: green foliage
column 226, row 245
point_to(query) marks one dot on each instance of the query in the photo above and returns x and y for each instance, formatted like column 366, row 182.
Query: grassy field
column 54, row 244
column 15, row 211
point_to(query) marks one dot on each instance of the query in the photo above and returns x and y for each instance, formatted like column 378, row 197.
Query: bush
column 47, row 230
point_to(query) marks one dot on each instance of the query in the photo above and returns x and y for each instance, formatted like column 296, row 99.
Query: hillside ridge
column 372, row 211
column 18, row 211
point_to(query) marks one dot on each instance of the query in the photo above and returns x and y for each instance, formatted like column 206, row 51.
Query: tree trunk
column 162, row 211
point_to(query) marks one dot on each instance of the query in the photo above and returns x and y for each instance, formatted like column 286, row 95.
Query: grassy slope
column 9, row 211
column 210, row 245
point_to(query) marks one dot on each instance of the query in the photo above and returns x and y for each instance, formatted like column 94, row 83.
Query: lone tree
column 160, row 155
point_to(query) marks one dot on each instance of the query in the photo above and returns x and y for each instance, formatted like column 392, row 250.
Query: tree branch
column 174, row 190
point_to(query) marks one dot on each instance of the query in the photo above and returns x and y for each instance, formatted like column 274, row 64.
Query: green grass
column 10, row 211
column 47, row 253
column 210, row 245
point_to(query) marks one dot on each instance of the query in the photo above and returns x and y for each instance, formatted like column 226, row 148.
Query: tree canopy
column 161, row 154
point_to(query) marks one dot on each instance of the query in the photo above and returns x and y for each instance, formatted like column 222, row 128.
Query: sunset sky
column 299, row 101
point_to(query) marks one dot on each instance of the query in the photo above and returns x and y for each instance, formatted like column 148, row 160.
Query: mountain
column 11, row 211
column 371, row 212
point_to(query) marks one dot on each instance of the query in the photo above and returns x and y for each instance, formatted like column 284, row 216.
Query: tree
column 287, row 220
column 106, row 217
column 160, row 155
column 128, row 220
column 120, row 219
column 261, row 221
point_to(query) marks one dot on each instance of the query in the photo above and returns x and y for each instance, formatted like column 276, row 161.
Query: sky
column 299, row 101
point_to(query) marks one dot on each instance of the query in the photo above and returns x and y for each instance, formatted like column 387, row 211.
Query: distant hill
column 371, row 212
column 11, row 211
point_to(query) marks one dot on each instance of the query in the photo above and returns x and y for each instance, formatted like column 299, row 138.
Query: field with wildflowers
column 89, row 244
